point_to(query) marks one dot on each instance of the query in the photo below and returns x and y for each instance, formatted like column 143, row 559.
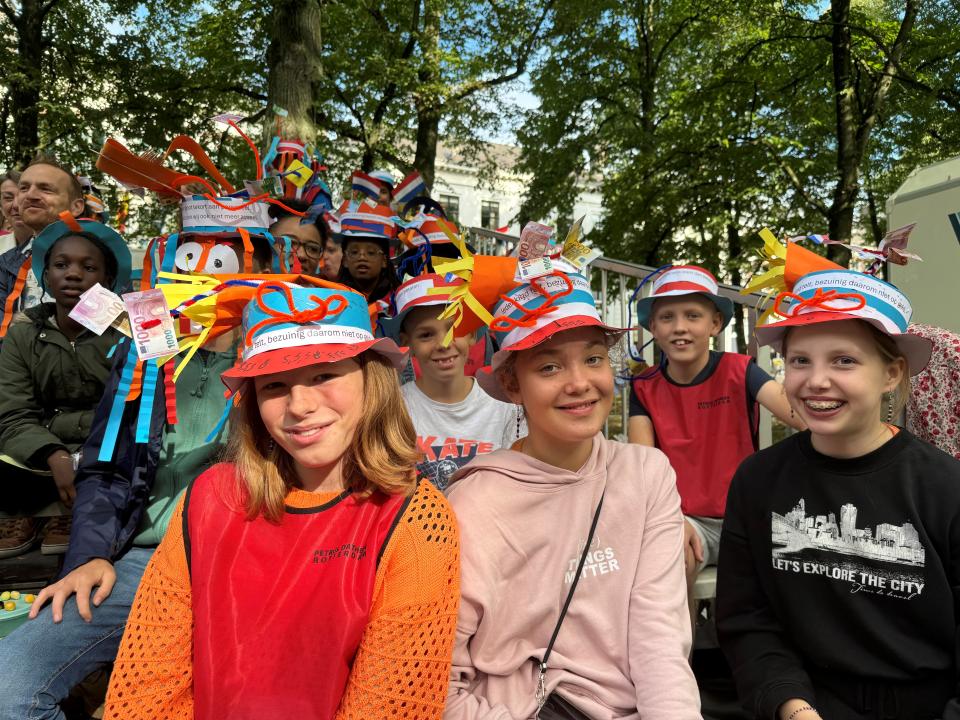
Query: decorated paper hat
column 486, row 278
column 684, row 280
column 384, row 176
column 533, row 313
column 421, row 291
column 68, row 225
column 368, row 223
column 833, row 295
column 286, row 327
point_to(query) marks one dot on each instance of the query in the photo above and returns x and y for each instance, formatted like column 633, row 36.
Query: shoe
column 56, row 535
column 18, row 536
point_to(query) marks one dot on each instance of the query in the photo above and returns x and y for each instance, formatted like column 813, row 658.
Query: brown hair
column 889, row 352
column 382, row 455
column 75, row 190
column 10, row 176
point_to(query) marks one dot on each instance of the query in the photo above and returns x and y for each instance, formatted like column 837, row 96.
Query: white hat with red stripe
column 422, row 291
column 533, row 313
column 684, row 280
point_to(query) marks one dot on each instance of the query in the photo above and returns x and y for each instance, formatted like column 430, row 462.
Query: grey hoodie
column 622, row 651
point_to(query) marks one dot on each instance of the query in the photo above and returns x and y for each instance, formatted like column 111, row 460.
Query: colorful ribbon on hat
column 820, row 300
column 324, row 308
column 529, row 317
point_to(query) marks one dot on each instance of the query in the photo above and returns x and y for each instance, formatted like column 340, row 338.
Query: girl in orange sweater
column 311, row 576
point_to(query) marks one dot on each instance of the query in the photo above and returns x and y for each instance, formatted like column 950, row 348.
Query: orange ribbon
column 505, row 323
column 324, row 308
column 819, row 301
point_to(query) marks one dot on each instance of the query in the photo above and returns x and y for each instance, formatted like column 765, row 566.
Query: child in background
column 839, row 568
column 455, row 419
column 52, row 374
column 365, row 237
column 566, row 515
column 700, row 405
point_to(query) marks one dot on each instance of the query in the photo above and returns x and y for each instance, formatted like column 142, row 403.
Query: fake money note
column 97, row 309
column 152, row 326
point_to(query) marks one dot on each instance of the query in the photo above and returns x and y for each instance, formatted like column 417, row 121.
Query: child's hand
column 61, row 465
column 692, row 538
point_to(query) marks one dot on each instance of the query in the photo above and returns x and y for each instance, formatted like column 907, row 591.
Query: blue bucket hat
column 70, row 225
column 287, row 327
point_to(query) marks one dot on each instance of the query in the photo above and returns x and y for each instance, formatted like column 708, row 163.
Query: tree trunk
column 26, row 82
column 846, row 189
column 428, row 105
column 293, row 60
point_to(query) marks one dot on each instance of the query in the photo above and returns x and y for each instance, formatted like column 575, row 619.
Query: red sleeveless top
column 706, row 430
column 279, row 609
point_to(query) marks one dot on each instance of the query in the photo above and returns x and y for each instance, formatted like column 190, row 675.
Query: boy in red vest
column 700, row 405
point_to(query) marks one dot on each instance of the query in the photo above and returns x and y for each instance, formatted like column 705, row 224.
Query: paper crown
column 533, row 313
column 286, row 327
column 69, row 225
column 422, row 291
column 834, row 295
column 684, row 280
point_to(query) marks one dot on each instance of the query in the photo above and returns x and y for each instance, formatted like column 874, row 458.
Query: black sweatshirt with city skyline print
column 841, row 577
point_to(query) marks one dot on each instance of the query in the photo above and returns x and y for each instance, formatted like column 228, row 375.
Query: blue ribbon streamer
column 109, row 442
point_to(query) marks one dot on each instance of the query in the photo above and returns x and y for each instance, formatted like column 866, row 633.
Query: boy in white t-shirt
column 454, row 418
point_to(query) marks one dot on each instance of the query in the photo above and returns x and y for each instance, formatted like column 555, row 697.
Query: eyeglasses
column 313, row 250
column 355, row 252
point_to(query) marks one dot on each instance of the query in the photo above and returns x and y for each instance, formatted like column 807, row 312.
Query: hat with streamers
column 286, row 327
column 69, row 225
column 422, row 291
column 684, row 280
column 834, row 295
column 533, row 313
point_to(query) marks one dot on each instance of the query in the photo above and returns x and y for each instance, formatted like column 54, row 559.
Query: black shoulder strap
column 566, row 605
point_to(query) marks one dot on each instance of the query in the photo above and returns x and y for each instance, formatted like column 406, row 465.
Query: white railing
column 613, row 283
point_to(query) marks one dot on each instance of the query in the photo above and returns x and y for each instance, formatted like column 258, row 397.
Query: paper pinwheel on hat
column 835, row 295
column 286, row 327
column 535, row 311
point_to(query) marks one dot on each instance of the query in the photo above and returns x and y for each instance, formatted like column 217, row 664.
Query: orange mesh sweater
column 402, row 667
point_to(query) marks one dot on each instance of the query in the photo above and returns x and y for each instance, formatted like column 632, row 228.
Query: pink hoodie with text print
column 622, row 650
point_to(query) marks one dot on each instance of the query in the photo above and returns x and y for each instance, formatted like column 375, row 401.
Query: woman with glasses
column 306, row 238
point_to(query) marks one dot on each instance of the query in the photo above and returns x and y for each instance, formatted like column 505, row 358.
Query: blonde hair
column 889, row 353
column 382, row 454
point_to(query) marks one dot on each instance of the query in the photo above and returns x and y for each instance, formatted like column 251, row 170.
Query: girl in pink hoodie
column 525, row 517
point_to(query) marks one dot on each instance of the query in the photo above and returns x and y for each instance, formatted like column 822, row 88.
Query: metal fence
column 613, row 283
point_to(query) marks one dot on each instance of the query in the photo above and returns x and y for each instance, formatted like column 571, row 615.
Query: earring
column 792, row 414
column 888, row 399
column 520, row 416
column 271, row 446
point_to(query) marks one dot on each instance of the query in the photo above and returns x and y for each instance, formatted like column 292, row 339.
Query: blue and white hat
column 287, row 327
column 832, row 295
column 533, row 313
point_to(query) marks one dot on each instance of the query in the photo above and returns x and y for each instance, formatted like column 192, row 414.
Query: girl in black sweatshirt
column 839, row 569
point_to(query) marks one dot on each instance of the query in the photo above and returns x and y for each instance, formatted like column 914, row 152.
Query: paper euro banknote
column 153, row 330
column 97, row 309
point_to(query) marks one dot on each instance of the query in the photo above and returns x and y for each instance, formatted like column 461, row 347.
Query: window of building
column 490, row 214
column 451, row 206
